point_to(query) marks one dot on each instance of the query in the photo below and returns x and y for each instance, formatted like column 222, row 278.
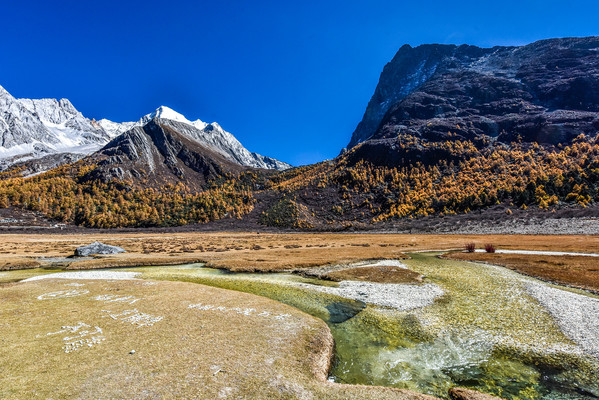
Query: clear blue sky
column 291, row 79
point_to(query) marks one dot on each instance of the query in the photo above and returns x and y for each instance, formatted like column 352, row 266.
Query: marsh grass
column 577, row 271
column 381, row 274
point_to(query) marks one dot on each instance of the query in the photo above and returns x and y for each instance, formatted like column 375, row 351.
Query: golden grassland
column 577, row 271
column 189, row 353
column 260, row 252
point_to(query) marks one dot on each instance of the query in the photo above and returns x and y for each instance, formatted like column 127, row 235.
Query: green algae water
column 485, row 333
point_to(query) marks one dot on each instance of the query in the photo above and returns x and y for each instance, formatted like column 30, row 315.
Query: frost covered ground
column 576, row 314
column 96, row 274
column 541, row 253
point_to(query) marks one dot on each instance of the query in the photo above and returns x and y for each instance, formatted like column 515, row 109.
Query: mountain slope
column 161, row 153
column 210, row 135
column 545, row 92
column 451, row 130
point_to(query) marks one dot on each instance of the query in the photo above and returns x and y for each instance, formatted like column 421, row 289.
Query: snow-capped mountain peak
column 166, row 113
column 211, row 135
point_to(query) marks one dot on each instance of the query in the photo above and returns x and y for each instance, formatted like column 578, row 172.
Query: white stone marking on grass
column 242, row 311
column 134, row 317
column 113, row 298
column 75, row 284
column 62, row 294
column 83, row 337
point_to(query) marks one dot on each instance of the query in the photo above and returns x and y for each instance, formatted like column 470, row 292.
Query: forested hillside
column 346, row 190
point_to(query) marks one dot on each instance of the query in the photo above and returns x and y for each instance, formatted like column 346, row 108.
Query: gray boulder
column 98, row 248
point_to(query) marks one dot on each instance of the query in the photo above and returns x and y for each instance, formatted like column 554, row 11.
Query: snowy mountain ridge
column 35, row 129
column 31, row 129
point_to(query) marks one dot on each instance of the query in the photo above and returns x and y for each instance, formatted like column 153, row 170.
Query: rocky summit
column 545, row 92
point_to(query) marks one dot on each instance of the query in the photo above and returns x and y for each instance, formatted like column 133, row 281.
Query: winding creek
column 468, row 324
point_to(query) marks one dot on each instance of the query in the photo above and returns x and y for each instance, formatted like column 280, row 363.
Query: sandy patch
column 380, row 263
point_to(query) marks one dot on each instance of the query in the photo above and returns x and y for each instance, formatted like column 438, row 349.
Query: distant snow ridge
column 31, row 129
column 211, row 135
column 53, row 130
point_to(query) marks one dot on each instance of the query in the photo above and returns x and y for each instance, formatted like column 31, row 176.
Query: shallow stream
column 486, row 332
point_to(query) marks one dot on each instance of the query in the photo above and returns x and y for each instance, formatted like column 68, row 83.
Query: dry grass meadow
column 577, row 271
column 381, row 274
column 66, row 339
column 259, row 252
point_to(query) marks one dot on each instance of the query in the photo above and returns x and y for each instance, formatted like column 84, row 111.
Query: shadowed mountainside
column 157, row 154
column 546, row 92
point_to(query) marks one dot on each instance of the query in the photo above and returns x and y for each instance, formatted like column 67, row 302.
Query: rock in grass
column 97, row 248
column 458, row 393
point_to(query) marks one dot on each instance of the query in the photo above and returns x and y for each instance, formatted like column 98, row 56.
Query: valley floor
column 255, row 251
column 146, row 339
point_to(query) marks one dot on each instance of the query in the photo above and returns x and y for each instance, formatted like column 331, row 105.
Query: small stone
column 132, row 352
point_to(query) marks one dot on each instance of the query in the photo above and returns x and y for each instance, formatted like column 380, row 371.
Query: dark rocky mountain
column 160, row 153
column 546, row 92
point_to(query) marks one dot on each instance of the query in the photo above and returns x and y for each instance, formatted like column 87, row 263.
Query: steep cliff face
column 406, row 73
column 545, row 92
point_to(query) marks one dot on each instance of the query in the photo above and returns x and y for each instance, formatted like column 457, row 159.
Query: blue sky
column 289, row 79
